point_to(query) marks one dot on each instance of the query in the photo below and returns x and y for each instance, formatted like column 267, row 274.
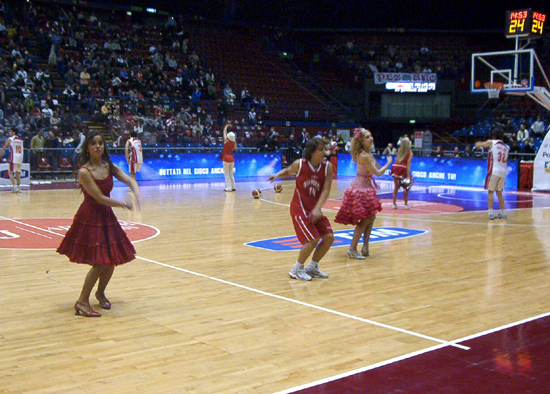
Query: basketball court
column 448, row 301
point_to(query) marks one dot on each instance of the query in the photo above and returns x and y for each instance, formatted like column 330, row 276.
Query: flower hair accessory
column 358, row 133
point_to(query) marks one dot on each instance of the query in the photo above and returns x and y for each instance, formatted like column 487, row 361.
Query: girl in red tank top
column 313, row 181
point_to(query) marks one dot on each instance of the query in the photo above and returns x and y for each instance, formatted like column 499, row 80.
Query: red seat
column 65, row 165
column 44, row 165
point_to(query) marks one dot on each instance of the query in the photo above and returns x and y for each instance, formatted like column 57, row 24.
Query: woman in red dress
column 401, row 169
column 360, row 204
column 95, row 237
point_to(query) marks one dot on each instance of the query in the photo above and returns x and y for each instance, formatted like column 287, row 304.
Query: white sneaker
column 316, row 273
column 18, row 189
column 407, row 207
column 353, row 254
column 493, row 216
column 14, row 189
column 299, row 274
column 502, row 215
column 394, row 206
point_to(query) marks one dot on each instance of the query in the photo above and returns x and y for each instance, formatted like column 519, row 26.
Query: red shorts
column 308, row 231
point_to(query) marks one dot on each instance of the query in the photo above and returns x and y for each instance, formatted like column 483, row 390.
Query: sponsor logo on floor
column 341, row 238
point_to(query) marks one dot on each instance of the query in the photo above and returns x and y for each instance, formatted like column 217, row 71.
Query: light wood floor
column 200, row 312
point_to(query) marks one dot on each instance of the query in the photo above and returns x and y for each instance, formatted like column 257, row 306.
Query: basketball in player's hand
column 278, row 188
column 256, row 193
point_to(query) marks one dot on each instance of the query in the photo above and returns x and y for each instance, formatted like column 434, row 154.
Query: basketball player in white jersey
column 16, row 159
column 496, row 171
column 134, row 154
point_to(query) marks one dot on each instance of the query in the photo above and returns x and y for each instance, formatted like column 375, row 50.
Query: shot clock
column 524, row 23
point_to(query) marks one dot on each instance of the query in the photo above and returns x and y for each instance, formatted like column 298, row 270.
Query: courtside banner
column 541, row 167
column 174, row 166
column 341, row 238
column 5, row 174
column 439, row 170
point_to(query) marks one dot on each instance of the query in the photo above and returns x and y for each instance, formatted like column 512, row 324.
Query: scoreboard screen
column 524, row 23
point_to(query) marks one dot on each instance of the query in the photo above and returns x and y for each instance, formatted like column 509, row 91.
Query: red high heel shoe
column 104, row 303
column 88, row 313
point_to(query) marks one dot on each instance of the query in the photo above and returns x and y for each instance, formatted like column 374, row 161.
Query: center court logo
column 47, row 233
column 341, row 238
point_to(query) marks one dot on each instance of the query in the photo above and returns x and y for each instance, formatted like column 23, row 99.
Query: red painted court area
column 46, row 233
column 417, row 207
column 508, row 360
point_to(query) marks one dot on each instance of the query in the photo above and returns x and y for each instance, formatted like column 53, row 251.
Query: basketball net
column 493, row 89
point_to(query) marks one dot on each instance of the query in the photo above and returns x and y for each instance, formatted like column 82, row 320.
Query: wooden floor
column 200, row 312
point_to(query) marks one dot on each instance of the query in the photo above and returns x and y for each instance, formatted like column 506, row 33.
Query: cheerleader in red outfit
column 313, row 181
column 95, row 237
column 401, row 169
column 360, row 203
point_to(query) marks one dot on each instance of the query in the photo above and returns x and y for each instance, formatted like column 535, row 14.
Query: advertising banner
column 541, row 166
column 446, row 171
column 5, row 176
column 174, row 166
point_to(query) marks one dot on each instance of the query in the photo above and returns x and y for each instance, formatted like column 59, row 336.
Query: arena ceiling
column 353, row 14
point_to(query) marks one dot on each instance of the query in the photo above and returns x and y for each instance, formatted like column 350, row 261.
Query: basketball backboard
column 508, row 71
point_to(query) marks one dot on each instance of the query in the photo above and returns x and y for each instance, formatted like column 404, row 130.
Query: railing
column 60, row 163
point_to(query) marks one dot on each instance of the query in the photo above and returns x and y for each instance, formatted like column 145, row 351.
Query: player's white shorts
column 494, row 182
column 135, row 167
column 15, row 167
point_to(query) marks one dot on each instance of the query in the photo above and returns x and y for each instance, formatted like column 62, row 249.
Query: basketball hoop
column 494, row 89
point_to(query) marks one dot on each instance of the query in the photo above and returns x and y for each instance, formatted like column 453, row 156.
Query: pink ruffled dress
column 96, row 237
column 360, row 200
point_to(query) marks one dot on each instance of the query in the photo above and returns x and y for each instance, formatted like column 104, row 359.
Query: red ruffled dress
column 360, row 200
column 96, row 237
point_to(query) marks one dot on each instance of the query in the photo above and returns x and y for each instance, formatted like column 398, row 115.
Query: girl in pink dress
column 401, row 169
column 360, row 204
column 95, row 237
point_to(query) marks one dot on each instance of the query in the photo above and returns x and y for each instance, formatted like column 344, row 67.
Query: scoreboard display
column 524, row 23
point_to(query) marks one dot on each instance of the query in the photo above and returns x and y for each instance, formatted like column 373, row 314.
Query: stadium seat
column 44, row 166
column 65, row 165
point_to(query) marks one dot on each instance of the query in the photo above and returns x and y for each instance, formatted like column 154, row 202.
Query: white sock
column 298, row 266
column 313, row 264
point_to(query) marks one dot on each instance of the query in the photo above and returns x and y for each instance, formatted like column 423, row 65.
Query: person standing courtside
column 134, row 154
column 228, row 159
column 496, row 171
column 400, row 170
column 313, row 181
column 16, row 159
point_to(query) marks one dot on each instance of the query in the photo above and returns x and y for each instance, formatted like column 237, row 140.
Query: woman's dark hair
column 312, row 145
column 85, row 154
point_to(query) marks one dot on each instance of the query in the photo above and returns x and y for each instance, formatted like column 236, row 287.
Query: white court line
column 360, row 370
column 440, row 341
column 32, row 232
column 406, row 356
column 31, row 226
column 445, row 343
